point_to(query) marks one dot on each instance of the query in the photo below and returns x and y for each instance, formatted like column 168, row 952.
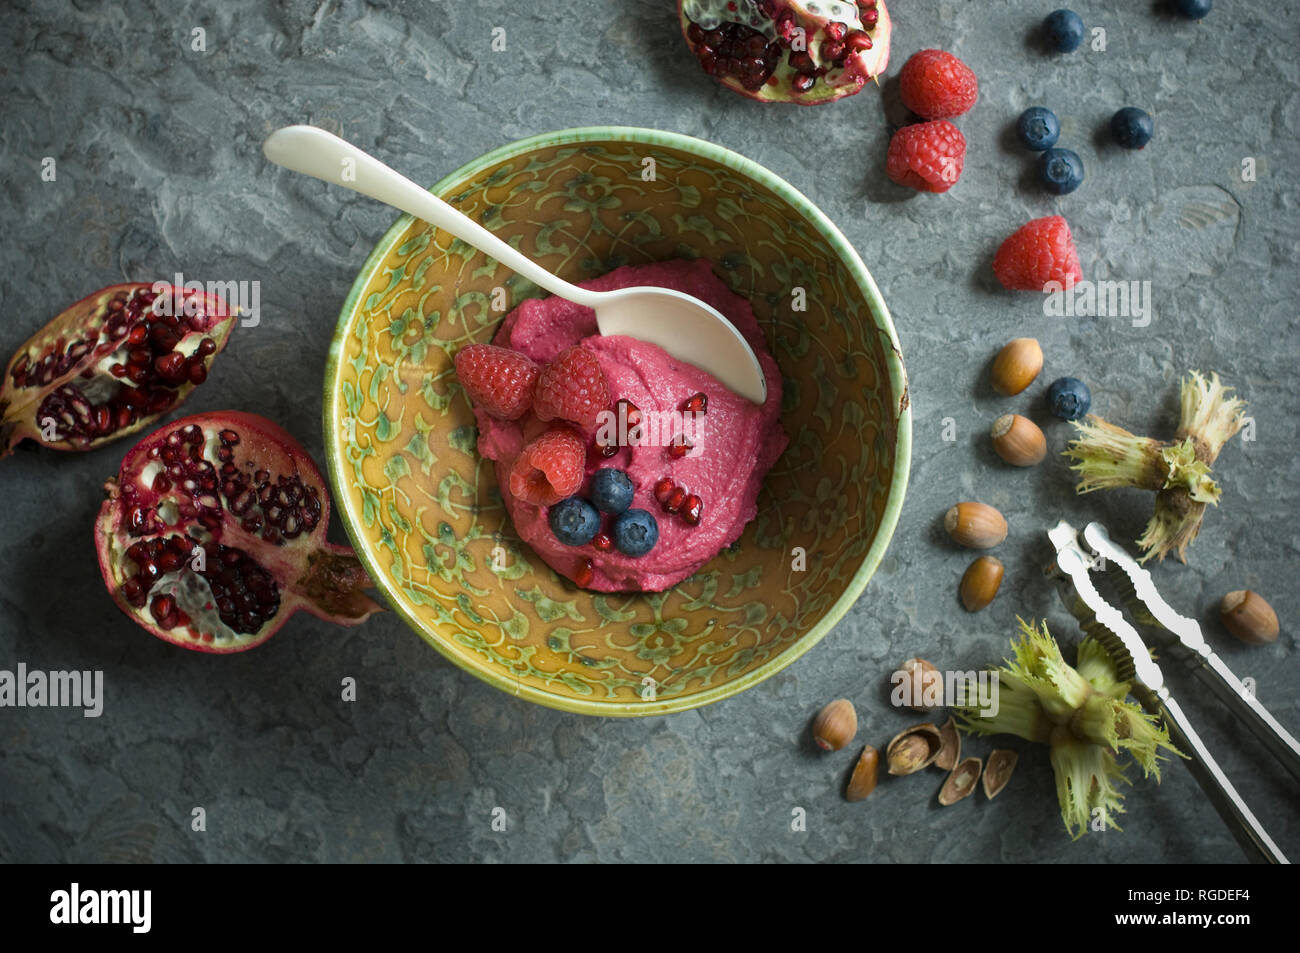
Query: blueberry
column 1131, row 127
column 574, row 521
column 1193, row 9
column 1064, row 30
column 636, row 532
column 1069, row 398
column 1038, row 128
column 1060, row 170
column 611, row 490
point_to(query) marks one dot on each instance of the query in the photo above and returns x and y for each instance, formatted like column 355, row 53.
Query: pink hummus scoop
column 734, row 444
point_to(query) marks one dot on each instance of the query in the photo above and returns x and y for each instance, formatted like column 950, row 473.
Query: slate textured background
column 159, row 169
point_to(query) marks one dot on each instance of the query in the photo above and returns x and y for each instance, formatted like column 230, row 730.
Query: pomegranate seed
column 196, row 372
column 161, row 483
column 116, row 304
column 692, row 508
column 117, row 370
column 230, row 437
column 138, row 335
column 675, row 500
column 835, row 30
column 713, row 39
column 699, row 404
column 163, row 608
column 603, row 542
column 632, row 415
column 800, row 60
column 833, row 50
column 133, row 590
column 870, row 16
column 857, row 42
column 663, row 489
column 680, row 446
column 802, row 83
column 170, row 365
column 586, row 572
column 103, row 418
column 695, row 33
column 207, row 346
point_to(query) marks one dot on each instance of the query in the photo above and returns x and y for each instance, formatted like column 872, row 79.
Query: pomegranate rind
column 20, row 403
column 312, row 574
column 839, row 82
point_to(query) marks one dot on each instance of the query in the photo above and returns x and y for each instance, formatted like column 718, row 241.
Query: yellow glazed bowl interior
column 424, row 511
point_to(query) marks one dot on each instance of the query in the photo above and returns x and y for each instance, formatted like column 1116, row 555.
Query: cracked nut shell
column 950, row 746
column 961, row 783
column 997, row 772
column 913, row 749
column 863, row 780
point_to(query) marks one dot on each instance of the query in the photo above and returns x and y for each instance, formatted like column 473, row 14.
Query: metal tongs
column 1080, row 555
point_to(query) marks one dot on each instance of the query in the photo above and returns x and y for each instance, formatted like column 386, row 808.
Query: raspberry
column 550, row 468
column 1037, row 253
column 572, row 388
column 937, row 85
column 497, row 379
column 927, row 156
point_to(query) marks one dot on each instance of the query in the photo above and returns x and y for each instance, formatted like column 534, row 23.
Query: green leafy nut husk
column 1178, row 471
column 1082, row 714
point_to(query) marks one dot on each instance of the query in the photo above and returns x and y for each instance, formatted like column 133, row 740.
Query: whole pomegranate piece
column 213, row 534
column 110, row 365
column 792, row 51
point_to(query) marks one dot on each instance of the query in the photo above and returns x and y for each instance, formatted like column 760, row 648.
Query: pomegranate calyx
column 333, row 584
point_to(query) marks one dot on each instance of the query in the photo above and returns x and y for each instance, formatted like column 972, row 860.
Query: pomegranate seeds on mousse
column 213, row 534
column 630, row 469
column 110, row 365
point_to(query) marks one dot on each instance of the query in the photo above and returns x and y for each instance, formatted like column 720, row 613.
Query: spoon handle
column 315, row 152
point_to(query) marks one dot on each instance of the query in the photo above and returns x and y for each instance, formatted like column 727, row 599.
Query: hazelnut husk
column 961, row 783
column 997, row 772
column 863, row 780
column 913, row 749
column 835, row 725
column 950, row 746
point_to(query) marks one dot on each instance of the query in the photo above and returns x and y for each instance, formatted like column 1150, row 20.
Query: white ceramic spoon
column 682, row 325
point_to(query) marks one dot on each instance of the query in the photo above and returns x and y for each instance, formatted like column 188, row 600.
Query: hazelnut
column 975, row 525
column 921, row 685
column 1247, row 616
column 835, row 725
column 1016, row 366
column 1018, row 440
column 980, row 582
column 913, row 749
column 863, row 781
column 997, row 772
column 961, row 783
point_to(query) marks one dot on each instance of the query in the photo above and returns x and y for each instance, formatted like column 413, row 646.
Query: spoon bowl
column 685, row 327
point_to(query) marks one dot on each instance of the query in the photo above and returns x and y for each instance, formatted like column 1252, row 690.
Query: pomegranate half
column 213, row 534
column 794, row 51
column 110, row 365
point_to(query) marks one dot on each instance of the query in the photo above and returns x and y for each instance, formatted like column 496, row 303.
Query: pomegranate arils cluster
column 788, row 50
column 674, row 499
column 109, row 364
column 213, row 533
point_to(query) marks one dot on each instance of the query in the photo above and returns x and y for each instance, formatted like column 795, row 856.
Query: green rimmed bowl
column 424, row 511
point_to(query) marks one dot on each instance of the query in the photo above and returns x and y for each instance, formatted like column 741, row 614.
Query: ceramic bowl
column 424, row 511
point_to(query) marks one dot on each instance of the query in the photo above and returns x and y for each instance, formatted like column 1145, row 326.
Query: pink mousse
column 736, row 442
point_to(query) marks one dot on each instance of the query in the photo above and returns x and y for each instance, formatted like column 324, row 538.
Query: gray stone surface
column 159, row 169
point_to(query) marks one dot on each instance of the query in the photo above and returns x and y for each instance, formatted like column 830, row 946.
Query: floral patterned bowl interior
column 425, row 512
